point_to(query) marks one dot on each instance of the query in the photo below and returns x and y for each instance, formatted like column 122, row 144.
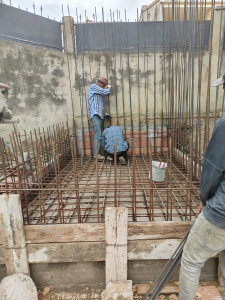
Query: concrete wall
column 150, row 65
column 74, row 276
column 40, row 82
column 39, row 93
column 153, row 13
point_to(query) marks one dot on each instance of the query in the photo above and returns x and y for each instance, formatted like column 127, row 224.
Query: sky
column 53, row 8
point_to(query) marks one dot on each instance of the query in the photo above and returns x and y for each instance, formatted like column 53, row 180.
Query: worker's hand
column 4, row 87
column 107, row 116
column 109, row 86
column 200, row 208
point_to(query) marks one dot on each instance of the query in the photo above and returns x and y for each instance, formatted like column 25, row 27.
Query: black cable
column 167, row 270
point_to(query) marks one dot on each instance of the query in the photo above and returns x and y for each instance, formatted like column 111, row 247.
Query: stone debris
column 46, row 290
column 198, row 295
column 18, row 286
column 118, row 290
column 161, row 297
column 173, row 297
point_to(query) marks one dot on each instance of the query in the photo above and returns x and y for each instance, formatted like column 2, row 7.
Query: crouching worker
column 111, row 135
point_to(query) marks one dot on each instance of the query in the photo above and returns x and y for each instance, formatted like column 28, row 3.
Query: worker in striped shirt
column 96, row 110
column 111, row 136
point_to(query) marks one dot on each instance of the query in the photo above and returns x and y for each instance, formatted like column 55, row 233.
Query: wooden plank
column 116, row 221
column 66, row 252
column 209, row 293
column 157, row 230
column 86, row 252
column 11, row 221
column 2, row 255
column 172, row 288
column 142, row 289
column 221, row 268
column 1, row 237
column 65, row 233
column 95, row 251
column 152, row 249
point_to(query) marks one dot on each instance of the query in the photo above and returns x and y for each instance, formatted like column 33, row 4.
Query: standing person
column 207, row 236
column 96, row 110
column 109, row 136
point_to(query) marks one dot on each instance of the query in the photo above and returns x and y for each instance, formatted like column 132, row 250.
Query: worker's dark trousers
column 119, row 154
column 204, row 241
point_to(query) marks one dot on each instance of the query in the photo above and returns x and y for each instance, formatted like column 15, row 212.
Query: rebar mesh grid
column 105, row 186
column 57, row 185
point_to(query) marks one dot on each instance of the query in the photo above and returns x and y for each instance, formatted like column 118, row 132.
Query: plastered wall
column 47, row 86
column 39, row 93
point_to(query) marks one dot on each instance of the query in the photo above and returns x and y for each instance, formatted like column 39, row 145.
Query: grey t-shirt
column 212, row 183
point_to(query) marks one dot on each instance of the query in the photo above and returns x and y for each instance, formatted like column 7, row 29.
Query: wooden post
column 116, row 222
column 221, row 268
column 13, row 236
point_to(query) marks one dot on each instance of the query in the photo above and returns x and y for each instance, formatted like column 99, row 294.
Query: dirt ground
column 95, row 294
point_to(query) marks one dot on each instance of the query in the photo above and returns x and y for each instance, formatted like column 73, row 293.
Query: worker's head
column 102, row 82
column 220, row 81
column 7, row 114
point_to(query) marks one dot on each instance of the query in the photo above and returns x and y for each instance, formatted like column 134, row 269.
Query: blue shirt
column 95, row 100
column 109, row 136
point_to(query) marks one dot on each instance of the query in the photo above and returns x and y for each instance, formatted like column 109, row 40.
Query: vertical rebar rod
column 76, row 180
column 115, row 177
column 138, row 86
column 40, row 186
column 134, row 198
column 4, row 164
column 151, row 195
column 97, row 181
column 59, row 185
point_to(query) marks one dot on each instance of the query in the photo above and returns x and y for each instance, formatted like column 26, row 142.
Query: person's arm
column 200, row 208
column 5, row 87
column 213, row 165
column 98, row 90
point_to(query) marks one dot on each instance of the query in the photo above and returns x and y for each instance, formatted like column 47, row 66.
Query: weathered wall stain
column 39, row 92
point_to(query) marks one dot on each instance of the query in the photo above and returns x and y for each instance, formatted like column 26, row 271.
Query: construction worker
column 96, row 110
column 5, row 113
column 207, row 236
column 110, row 136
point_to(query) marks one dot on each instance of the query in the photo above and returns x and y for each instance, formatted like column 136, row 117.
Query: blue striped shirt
column 109, row 136
column 95, row 100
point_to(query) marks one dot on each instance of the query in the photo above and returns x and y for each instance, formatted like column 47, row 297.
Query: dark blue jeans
column 97, row 125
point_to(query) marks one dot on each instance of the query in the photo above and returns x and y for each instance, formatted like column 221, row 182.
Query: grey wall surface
column 23, row 27
column 141, row 36
column 72, row 276
column 39, row 93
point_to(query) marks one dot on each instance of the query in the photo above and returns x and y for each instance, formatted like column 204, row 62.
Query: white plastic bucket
column 158, row 171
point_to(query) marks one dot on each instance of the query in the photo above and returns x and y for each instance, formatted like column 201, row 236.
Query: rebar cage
column 166, row 115
column 58, row 185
